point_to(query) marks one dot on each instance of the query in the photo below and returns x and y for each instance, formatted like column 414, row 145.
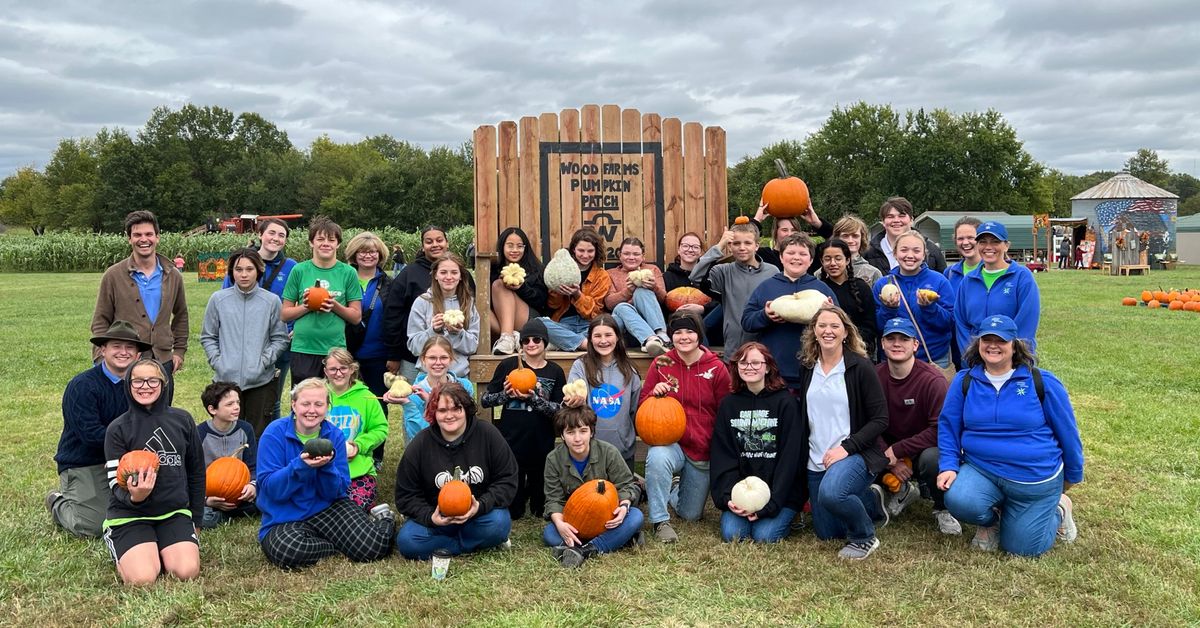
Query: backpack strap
column 1038, row 386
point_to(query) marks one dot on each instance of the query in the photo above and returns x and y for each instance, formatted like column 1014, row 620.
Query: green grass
column 1137, row 560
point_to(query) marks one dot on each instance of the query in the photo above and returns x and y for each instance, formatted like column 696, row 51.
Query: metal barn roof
column 939, row 227
column 1123, row 185
column 1188, row 224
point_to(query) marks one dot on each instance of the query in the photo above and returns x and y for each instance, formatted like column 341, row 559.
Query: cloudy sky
column 1085, row 84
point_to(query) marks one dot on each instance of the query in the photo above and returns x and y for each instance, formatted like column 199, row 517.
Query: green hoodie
column 360, row 417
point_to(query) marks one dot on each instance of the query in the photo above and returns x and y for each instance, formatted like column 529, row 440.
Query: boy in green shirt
column 318, row 331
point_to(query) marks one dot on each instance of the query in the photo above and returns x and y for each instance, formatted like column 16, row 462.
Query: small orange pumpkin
column 741, row 220
column 785, row 196
column 133, row 463
column 660, row 421
column 1129, row 301
column 1161, row 296
column 1175, row 305
column 1147, row 296
column 454, row 498
column 685, row 295
column 522, row 379
column 1153, row 303
column 589, row 507
column 227, row 476
column 316, row 297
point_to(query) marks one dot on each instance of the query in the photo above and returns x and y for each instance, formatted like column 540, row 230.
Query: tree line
column 196, row 164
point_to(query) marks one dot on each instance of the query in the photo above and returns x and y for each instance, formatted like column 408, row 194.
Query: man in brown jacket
column 147, row 291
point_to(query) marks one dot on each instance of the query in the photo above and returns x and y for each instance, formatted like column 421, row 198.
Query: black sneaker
column 878, row 497
column 859, row 550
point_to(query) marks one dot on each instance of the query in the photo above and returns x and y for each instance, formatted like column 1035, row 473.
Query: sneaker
column 506, row 545
column 557, row 551
column 946, row 522
column 638, row 540
column 798, row 522
column 52, row 498
column 381, row 512
column 505, row 345
column 896, row 502
column 571, row 558
column 654, row 347
column 987, row 538
column 664, row 532
column 859, row 550
column 1067, row 531
column 878, row 497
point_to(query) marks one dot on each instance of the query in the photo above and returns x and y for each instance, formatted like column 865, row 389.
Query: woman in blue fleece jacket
column 997, row 286
column 306, row 512
column 933, row 316
column 796, row 253
column 1008, row 455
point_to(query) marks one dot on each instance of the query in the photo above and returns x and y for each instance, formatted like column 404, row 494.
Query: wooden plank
column 613, row 229
column 673, row 213
column 483, row 299
column 651, row 132
column 572, row 217
column 631, row 200
column 486, row 204
column 589, row 132
column 548, row 132
column 716, row 190
column 693, row 177
column 509, row 192
column 529, row 186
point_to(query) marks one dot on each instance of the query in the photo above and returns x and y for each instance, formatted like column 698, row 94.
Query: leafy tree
column 1149, row 167
column 846, row 162
column 747, row 178
column 24, row 198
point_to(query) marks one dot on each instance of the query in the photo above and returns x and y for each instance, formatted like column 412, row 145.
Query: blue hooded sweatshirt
column 1013, row 294
column 288, row 489
column 934, row 321
column 783, row 339
column 1010, row 433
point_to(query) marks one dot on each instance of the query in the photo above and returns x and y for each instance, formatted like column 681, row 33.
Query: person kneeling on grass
column 1009, row 446
column 224, row 434
column 306, row 514
column 153, row 520
column 578, row 459
column 455, row 442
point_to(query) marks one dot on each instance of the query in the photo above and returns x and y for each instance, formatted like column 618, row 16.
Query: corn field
column 89, row 252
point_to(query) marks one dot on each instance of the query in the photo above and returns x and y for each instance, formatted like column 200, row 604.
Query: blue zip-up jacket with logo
column 783, row 339
column 1010, row 433
column 288, row 489
column 935, row 321
column 1013, row 294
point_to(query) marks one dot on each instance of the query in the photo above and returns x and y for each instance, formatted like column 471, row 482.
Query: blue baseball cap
column 1000, row 326
column 993, row 229
column 900, row 326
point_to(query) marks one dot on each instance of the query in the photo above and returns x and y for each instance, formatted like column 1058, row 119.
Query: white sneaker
column 987, row 538
column 505, row 345
column 654, row 347
column 859, row 550
column 896, row 502
column 946, row 522
column 383, row 511
column 1067, row 530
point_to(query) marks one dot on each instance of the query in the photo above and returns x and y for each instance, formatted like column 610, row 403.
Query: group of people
column 852, row 415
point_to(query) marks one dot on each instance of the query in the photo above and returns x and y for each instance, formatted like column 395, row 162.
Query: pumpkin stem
column 458, row 473
column 600, row 487
column 783, row 173
column 238, row 452
column 520, row 365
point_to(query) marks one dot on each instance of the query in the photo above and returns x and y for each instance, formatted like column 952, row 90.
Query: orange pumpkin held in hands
column 589, row 507
column 227, row 476
column 522, row 379
column 685, row 295
column 660, row 421
column 133, row 463
column 454, row 498
column 316, row 297
column 1129, row 301
column 785, row 196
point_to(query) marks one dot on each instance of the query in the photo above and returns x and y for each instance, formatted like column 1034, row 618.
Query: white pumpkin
column 512, row 275
column 641, row 277
column 799, row 307
column 577, row 388
column 453, row 318
column 561, row 271
column 889, row 292
column 397, row 385
column 751, row 494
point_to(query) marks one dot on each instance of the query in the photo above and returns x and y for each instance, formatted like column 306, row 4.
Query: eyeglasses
column 337, row 369
column 376, row 253
column 437, row 358
column 146, row 382
column 689, row 247
column 751, row 366
column 537, row 340
column 514, row 247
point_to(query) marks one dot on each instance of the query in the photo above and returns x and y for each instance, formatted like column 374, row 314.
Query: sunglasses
column 537, row 340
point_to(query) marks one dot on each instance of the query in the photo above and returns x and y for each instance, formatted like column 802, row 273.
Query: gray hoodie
column 243, row 335
column 615, row 404
column 734, row 283
column 464, row 341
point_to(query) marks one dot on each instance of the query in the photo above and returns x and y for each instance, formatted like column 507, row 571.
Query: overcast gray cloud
column 1085, row 84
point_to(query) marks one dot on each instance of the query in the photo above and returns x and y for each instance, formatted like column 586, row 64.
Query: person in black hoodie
column 896, row 214
column 842, row 400
column 153, row 521
column 758, row 432
column 457, row 442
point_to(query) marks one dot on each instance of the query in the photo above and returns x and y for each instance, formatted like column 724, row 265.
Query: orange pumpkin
column 316, row 297
column 454, row 498
column 741, row 220
column 660, row 421
column 1173, row 295
column 1147, row 296
column 133, row 463
column 590, row 506
column 522, row 379
column 785, row 196
column 227, row 476
column 1161, row 296
column 685, row 295
column 1175, row 305
column 1129, row 301
column 1190, row 306
column 1153, row 303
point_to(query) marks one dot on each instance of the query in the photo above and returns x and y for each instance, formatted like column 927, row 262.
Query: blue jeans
column 1029, row 515
column 609, row 540
column 642, row 316
column 662, row 464
column 416, row 542
column 773, row 530
column 568, row 333
column 842, row 503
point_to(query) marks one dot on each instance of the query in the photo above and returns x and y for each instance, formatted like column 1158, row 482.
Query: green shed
column 939, row 227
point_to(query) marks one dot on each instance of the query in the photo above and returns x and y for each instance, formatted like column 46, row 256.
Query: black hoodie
column 762, row 435
column 487, row 464
column 170, row 433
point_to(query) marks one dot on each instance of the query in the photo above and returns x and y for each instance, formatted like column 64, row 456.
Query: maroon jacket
column 913, row 404
column 702, row 386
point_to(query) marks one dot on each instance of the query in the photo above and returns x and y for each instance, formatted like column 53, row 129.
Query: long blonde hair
column 810, row 349
column 462, row 292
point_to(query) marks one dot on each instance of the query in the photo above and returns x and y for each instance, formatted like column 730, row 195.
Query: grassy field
column 1137, row 560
